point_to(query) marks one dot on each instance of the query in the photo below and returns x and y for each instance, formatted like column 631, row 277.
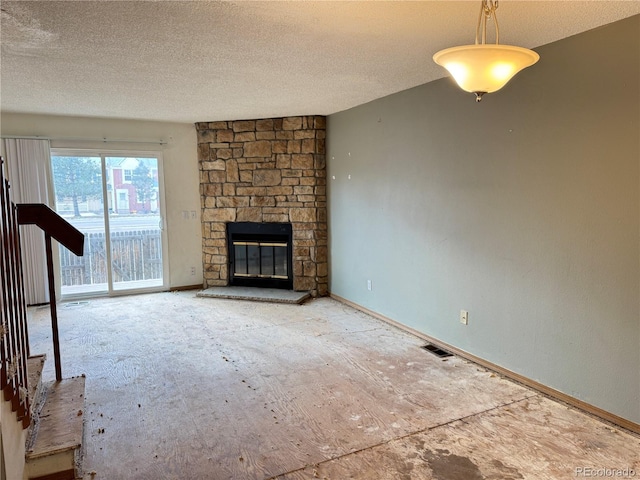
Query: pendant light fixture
column 485, row 68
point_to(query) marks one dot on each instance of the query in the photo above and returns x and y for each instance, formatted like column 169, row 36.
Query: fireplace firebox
column 260, row 254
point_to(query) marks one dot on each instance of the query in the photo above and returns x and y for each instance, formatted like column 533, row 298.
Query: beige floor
column 180, row 387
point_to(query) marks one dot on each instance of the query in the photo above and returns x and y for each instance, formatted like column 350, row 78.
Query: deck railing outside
column 136, row 255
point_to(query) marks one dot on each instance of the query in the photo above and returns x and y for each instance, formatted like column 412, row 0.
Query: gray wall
column 523, row 209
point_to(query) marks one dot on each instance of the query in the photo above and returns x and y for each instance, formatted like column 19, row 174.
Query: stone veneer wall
column 270, row 170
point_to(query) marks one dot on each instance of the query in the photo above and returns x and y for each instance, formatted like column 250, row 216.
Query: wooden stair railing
column 14, row 337
column 14, row 342
column 66, row 234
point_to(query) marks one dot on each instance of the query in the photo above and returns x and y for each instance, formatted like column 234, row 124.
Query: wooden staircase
column 53, row 412
column 54, row 446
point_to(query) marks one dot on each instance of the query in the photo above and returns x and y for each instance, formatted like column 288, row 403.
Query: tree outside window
column 143, row 179
column 77, row 178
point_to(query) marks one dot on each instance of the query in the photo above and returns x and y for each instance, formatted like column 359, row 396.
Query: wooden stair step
column 35, row 365
column 58, row 430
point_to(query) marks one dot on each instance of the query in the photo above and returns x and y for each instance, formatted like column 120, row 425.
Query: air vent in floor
column 76, row 304
column 437, row 351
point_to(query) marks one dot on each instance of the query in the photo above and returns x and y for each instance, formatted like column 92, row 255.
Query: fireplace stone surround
column 265, row 171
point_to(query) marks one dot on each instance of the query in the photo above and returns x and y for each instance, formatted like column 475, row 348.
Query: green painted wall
column 523, row 209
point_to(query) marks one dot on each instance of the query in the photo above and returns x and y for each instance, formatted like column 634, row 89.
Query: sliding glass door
column 116, row 201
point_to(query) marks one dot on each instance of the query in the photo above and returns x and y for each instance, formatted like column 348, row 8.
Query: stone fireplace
column 262, row 172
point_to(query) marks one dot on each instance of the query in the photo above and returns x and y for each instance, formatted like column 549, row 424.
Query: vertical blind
column 28, row 172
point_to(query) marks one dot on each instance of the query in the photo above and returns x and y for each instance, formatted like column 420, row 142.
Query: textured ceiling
column 189, row 61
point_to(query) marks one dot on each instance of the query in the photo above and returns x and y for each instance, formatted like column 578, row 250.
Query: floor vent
column 437, row 351
column 76, row 304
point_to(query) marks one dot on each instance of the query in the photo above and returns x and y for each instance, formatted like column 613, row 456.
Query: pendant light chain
column 487, row 11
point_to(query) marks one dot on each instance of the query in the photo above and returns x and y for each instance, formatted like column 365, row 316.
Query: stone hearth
column 270, row 171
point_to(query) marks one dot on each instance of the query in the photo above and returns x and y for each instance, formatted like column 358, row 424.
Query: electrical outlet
column 193, row 271
column 369, row 285
column 464, row 317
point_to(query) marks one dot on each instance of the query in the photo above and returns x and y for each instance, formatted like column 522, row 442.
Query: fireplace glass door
column 260, row 259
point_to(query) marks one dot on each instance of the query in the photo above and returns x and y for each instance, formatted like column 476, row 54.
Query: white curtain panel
column 28, row 164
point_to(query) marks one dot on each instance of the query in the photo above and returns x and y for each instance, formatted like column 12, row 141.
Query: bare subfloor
column 180, row 387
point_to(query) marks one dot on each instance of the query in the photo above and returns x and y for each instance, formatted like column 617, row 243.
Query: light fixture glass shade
column 484, row 68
